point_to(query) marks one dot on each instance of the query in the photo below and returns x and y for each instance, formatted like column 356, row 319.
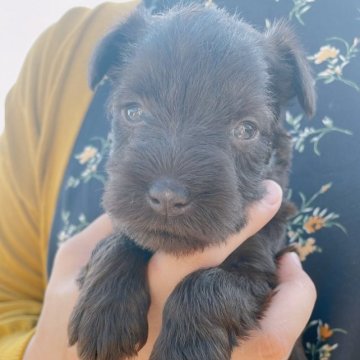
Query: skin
column 283, row 323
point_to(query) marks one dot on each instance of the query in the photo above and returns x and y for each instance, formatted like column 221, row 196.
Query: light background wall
column 21, row 22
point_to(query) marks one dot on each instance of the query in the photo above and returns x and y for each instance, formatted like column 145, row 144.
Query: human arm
column 21, row 273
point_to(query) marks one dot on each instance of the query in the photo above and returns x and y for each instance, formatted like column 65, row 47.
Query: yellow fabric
column 43, row 115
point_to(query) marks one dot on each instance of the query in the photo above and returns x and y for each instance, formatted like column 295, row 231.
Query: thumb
column 286, row 317
column 291, row 306
column 293, row 302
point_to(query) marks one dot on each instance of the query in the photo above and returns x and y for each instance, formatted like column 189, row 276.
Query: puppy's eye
column 245, row 130
column 133, row 113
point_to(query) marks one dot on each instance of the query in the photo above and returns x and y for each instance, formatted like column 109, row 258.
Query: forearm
column 50, row 338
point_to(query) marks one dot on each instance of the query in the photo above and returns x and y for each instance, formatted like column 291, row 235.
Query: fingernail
column 295, row 259
column 273, row 192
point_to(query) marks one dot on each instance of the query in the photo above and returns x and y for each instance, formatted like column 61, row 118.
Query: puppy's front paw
column 109, row 321
column 203, row 318
column 190, row 341
column 110, row 327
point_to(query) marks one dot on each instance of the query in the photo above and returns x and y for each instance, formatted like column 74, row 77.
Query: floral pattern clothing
column 79, row 201
column 325, row 180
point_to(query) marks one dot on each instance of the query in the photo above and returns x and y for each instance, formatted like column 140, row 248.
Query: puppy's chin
column 176, row 243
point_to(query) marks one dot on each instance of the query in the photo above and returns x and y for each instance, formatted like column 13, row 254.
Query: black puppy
column 196, row 106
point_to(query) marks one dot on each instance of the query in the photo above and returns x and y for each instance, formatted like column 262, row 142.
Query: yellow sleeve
column 21, row 284
column 43, row 115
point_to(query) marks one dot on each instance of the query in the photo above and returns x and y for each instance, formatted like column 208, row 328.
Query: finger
column 86, row 240
column 75, row 252
column 99, row 229
column 292, row 305
column 287, row 316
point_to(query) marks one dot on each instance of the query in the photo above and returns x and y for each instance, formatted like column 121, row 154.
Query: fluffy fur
column 196, row 105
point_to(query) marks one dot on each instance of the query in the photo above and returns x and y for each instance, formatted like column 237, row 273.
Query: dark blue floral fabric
column 79, row 200
column 325, row 181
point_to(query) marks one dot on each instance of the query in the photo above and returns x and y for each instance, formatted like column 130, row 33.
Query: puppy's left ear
column 112, row 49
column 289, row 69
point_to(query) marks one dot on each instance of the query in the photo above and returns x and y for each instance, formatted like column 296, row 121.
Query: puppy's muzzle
column 167, row 196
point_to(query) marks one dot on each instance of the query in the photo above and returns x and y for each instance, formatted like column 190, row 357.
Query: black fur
column 196, row 74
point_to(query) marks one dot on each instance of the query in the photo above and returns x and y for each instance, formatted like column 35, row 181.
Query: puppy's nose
column 168, row 197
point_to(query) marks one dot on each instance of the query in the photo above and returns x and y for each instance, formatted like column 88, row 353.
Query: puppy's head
column 195, row 105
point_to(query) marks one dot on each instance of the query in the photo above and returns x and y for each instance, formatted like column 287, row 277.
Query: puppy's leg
column 211, row 310
column 109, row 321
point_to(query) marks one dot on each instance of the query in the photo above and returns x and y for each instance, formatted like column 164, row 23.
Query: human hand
column 50, row 340
column 286, row 317
column 289, row 310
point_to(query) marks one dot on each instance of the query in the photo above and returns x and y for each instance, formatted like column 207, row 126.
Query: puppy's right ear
column 111, row 49
column 289, row 69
